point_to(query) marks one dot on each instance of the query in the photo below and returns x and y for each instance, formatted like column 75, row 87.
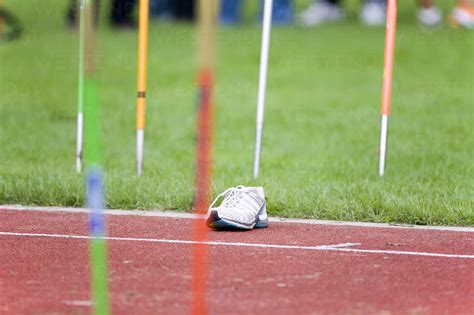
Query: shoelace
column 232, row 197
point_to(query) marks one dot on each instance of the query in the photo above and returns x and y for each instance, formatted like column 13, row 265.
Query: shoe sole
column 217, row 223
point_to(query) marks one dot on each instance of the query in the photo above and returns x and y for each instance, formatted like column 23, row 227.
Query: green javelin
column 98, row 250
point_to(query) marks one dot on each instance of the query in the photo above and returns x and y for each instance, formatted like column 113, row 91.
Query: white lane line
column 141, row 213
column 186, row 215
column 170, row 241
column 336, row 247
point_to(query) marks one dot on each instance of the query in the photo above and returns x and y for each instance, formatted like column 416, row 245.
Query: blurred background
column 320, row 147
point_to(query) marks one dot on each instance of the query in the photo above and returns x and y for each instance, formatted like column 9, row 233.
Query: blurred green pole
column 94, row 191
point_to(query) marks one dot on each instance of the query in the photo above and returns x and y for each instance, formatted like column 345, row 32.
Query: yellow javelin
column 141, row 97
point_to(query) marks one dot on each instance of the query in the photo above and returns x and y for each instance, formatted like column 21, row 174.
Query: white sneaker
column 319, row 12
column 242, row 208
column 373, row 13
column 429, row 16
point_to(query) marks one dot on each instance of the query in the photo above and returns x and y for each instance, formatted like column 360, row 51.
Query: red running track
column 277, row 270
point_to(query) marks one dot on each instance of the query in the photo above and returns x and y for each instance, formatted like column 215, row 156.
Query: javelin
column 262, row 85
column 80, row 90
column 387, row 80
column 141, row 95
column 207, row 20
column 93, row 179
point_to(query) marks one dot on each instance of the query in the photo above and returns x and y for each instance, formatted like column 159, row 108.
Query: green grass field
column 321, row 135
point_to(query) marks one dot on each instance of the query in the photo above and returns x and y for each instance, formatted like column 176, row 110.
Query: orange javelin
column 203, row 191
column 141, row 97
column 387, row 79
column 207, row 12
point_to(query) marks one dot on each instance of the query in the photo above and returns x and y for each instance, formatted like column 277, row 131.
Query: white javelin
column 262, row 84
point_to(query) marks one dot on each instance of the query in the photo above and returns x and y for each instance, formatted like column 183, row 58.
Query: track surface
column 287, row 268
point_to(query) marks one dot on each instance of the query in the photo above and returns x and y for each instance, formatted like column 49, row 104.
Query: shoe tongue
column 249, row 189
column 252, row 189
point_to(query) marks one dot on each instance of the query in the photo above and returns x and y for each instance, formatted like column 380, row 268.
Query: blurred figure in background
column 184, row 9
column 162, row 9
column 429, row 14
column 322, row 11
column 373, row 13
column 462, row 14
column 121, row 13
column 172, row 9
column 231, row 12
